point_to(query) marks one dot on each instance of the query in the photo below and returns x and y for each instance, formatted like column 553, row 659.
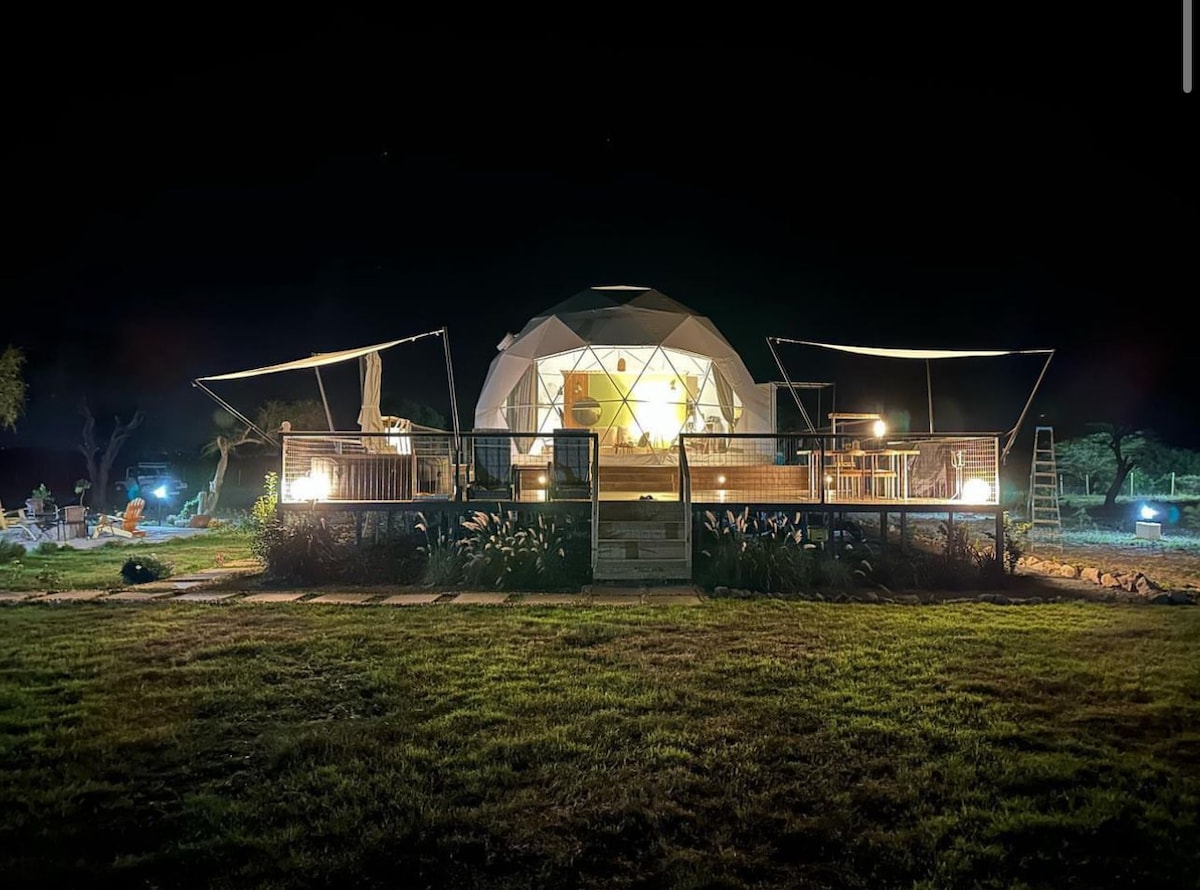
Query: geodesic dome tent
column 627, row 363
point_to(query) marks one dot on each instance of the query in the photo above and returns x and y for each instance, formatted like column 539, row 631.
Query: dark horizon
column 227, row 201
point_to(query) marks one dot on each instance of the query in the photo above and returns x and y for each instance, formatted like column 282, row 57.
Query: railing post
column 685, row 494
column 595, row 441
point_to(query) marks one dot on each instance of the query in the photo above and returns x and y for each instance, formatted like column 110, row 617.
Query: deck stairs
column 642, row 542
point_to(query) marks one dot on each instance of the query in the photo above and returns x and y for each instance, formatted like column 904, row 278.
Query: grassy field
column 64, row 568
column 735, row 744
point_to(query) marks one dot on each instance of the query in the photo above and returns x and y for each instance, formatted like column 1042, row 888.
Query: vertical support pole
column 903, row 531
column 883, row 529
column 324, row 401
column 1001, row 546
column 929, row 391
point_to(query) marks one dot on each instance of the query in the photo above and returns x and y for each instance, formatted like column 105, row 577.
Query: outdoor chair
column 17, row 520
column 493, row 469
column 571, row 469
column 123, row 525
column 37, row 520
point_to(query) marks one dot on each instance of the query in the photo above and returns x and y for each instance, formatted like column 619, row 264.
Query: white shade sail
column 886, row 352
column 926, row 355
column 318, row 360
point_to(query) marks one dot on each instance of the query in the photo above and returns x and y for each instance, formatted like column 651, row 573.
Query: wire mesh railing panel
column 750, row 469
column 955, row 468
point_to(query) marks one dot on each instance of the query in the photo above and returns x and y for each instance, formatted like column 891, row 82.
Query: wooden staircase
column 642, row 542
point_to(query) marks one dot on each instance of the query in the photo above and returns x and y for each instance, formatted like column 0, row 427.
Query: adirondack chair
column 123, row 525
column 16, row 519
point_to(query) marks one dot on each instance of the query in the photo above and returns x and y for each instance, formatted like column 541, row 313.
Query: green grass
column 1175, row 540
column 736, row 744
column 99, row 568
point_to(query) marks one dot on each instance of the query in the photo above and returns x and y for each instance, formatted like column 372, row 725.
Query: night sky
column 194, row 197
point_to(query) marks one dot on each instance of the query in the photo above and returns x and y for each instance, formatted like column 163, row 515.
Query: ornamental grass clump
column 502, row 551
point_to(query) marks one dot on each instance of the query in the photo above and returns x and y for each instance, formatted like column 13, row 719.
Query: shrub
column 393, row 558
column 144, row 568
column 11, row 550
column 263, row 511
column 1016, row 541
column 504, row 552
column 304, row 553
column 443, row 558
column 767, row 553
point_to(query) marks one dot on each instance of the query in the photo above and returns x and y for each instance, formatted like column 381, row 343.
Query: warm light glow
column 1148, row 512
column 976, row 491
column 720, row 480
column 160, row 492
column 656, row 411
column 541, row 479
column 314, row 487
column 829, row 480
column 880, row 429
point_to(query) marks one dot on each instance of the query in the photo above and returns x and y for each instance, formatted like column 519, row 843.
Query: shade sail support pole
column 791, row 388
column 445, row 334
column 235, row 412
column 1012, row 436
column 929, row 393
column 324, row 401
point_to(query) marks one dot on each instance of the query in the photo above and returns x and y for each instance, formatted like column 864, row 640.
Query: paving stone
column 137, row 596
column 272, row 597
column 480, row 599
column 551, row 599
column 198, row 597
column 71, row 595
column 412, row 599
column 170, row 585
column 342, row 599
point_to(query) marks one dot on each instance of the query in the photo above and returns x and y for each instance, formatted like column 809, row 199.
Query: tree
column 12, row 387
column 1124, row 442
column 307, row 414
column 420, row 414
column 98, row 471
column 223, row 446
column 1087, row 458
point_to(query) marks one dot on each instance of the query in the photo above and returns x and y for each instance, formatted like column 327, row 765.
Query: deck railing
column 834, row 469
column 384, row 468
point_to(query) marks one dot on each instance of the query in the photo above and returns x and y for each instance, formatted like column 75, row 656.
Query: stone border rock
column 1133, row 584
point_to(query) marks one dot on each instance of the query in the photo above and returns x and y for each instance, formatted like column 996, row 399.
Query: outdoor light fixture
column 1148, row 512
column 976, row 491
column 720, row 480
column 880, row 429
column 542, row 479
column 310, row 488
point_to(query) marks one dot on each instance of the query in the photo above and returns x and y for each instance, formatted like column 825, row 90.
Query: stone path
column 195, row 588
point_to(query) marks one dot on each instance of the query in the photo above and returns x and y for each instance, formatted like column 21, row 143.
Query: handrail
column 685, row 494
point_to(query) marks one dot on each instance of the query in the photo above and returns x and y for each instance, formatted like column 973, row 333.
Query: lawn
column 735, row 744
column 60, row 567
